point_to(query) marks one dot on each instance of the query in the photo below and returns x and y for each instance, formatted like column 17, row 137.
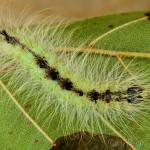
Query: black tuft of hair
column 52, row 73
column 106, row 96
column 93, row 95
column 41, row 62
column 65, row 83
column 8, row 38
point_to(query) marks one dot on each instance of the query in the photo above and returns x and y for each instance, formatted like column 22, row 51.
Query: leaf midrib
column 104, row 52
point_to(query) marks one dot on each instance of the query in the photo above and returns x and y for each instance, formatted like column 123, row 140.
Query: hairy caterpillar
column 75, row 91
column 133, row 93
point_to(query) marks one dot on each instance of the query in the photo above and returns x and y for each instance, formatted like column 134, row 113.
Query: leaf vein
column 26, row 114
column 115, row 29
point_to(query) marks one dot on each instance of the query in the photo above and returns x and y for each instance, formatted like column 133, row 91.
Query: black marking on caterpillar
column 93, row 95
column 41, row 62
column 65, row 83
column 52, row 73
column 9, row 39
column 133, row 94
column 148, row 15
column 77, row 91
column 12, row 40
column 106, row 96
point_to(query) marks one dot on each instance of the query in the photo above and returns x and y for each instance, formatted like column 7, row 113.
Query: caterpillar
column 133, row 93
column 73, row 91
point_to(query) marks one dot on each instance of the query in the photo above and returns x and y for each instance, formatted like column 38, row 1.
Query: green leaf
column 16, row 131
column 30, row 118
